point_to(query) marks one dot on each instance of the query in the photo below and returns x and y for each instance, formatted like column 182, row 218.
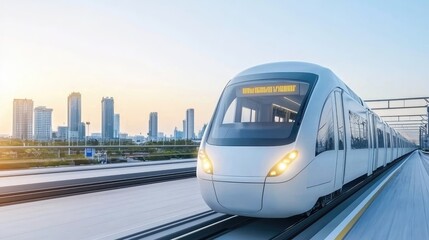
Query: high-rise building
column 74, row 114
column 22, row 119
column 107, row 117
column 190, row 133
column 42, row 123
column 62, row 132
column 177, row 134
column 116, row 126
column 82, row 130
column 153, row 126
column 184, row 130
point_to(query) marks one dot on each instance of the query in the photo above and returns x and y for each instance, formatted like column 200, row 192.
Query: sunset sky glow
column 167, row 56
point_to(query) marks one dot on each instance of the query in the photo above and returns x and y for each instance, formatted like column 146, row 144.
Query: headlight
column 204, row 162
column 283, row 164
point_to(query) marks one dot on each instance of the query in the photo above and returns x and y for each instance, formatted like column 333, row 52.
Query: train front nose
column 245, row 197
column 238, row 178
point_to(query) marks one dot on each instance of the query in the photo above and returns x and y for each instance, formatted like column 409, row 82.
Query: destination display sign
column 283, row 89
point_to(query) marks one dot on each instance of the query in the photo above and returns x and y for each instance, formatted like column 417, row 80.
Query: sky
column 168, row 56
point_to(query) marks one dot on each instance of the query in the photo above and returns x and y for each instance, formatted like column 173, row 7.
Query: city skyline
column 38, row 125
column 158, row 57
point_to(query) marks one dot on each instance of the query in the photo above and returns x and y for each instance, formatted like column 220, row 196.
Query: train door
column 341, row 153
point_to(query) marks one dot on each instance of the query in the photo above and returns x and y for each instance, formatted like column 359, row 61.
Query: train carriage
column 285, row 135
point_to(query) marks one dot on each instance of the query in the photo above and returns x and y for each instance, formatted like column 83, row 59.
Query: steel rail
column 188, row 224
column 210, row 229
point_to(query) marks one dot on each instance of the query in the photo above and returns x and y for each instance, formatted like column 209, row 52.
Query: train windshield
column 258, row 113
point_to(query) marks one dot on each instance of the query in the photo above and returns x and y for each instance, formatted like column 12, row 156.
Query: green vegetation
column 38, row 156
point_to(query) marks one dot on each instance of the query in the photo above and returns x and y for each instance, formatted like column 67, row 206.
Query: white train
column 284, row 137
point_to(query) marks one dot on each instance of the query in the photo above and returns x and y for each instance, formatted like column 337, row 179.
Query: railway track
column 40, row 171
column 33, row 192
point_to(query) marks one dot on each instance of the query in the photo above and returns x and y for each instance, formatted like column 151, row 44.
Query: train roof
column 285, row 67
column 296, row 67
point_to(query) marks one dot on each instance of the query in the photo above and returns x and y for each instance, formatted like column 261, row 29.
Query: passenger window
column 325, row 134
column 388, row 140
column 359, row 131
column 340, row 120
column 380, row 138
column 395, row 143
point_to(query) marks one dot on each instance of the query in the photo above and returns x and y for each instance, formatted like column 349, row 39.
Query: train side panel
column 356, row 123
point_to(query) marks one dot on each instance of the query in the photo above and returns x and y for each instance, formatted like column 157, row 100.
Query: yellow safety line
column 352, row 222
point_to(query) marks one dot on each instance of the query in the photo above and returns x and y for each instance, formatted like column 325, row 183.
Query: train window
column 230, row 113
column 340, row 119
column 394, row 140
column 359, row 131
column 325, row 134
column 258, row 113
column 388, row 140
column 380, row 138
column 248, row 115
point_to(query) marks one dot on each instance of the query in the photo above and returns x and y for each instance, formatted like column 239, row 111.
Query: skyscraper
column 177, row 134
column 184, row 129
column 62, row 133
column 42, row 123
column 22, row 119
column 153, row 126
column 74, row 114
column 81, row 130
column 107, row 117
column 116, row 126
column 190, row 133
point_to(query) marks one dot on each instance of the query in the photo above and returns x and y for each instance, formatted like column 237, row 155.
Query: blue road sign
column 89, row 152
